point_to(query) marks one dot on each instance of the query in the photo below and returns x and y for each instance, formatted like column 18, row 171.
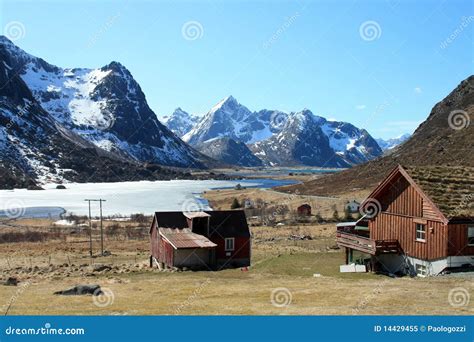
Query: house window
column 420, row 232
column 229, row 244
column 420, row 270
column 470, row 236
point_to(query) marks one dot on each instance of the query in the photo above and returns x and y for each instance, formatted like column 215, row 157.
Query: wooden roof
column 224, row 223
column 185, row 238
column 450, row 188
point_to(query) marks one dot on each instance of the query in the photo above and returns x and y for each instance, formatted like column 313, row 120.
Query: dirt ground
column 287, row 277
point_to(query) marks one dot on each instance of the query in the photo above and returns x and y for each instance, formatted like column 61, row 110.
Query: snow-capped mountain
column 230, row 119
column 269, row 132
column 180, row 122
column 229, row 151
column 390, row 144
column 300, row 142
column 105, row 106
column 353, row 144
column 34, row 147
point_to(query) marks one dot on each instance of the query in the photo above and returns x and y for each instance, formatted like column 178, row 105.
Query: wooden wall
column 400, row 197
column 154, row 244
column 403, row 228
column 457, row 242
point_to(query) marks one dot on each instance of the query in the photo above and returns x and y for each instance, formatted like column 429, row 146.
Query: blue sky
column 381, row 65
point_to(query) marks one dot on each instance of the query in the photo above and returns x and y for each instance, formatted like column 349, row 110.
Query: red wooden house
column 418, row 220
column 206, row 239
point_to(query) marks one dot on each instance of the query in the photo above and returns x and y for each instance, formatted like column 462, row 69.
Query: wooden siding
column 154, row 243
column 387, row 226
column 401, row 198
column 457, row 242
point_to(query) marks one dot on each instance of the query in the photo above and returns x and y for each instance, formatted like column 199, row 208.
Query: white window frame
column 422, row 232
column 470, row 234
column 229, row 240
column 421, row 270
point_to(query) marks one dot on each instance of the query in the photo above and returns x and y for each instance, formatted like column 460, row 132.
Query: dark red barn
column 304, row 210
column 205, row 239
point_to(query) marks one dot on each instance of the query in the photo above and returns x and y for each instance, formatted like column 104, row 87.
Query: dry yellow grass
column 278, row 263
column 222, row 199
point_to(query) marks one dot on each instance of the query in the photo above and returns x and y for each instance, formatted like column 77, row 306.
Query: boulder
column 78, row 290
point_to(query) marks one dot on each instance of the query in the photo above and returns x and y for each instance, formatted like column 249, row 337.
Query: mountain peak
column 228, row 101
column 5, row 40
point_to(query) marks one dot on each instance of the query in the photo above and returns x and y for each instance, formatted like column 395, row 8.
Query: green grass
column 307, row 264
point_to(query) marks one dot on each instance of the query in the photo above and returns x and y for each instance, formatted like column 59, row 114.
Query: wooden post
column 101, row 231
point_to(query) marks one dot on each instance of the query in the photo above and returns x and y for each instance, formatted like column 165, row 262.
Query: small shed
column 304, row 210
column 213, row 239
column 183, row 248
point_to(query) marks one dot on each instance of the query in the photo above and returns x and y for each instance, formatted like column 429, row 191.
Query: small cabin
column 304, row 210
column 418, row 220
column 200, row 240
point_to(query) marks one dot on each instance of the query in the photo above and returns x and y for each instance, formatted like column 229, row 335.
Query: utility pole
column 101, row 229
column 101, row 225
column 90, row 228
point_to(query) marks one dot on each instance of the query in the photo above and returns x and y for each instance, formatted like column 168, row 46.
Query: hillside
column 444, row 138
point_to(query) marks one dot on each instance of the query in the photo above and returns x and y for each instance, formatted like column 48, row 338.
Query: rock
column 107, row 253
column 78, row 290
column 12, row 281
column 100, row 267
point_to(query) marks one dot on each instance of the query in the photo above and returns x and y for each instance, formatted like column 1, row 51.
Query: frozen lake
column 121, row 198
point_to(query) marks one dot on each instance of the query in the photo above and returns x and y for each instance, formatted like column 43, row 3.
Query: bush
column 235, row 204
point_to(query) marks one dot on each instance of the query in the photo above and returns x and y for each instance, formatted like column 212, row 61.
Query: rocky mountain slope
column 34, row 147
column 105, row 106
column 229, row 151
column 230, row 119
column 180, row 122
column 275, row 137
column 444, row 138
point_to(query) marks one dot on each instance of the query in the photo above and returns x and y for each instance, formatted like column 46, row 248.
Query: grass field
column 280, row 281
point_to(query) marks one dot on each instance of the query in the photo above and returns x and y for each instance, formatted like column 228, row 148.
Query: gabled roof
column 185, row 238
column 448, row 189
column 224, row 223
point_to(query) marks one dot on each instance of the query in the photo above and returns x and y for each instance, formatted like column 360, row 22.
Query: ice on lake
column 123, row 198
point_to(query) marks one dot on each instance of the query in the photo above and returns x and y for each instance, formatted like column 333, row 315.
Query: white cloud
column 361, row 107
column 418, row 90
